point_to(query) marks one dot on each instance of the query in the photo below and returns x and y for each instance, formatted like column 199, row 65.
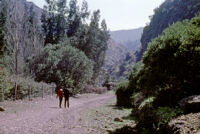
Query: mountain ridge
column 122, row 43
column 129, row 38
column 120, row 53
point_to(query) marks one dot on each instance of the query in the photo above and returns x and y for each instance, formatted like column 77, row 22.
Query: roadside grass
column 107, row 118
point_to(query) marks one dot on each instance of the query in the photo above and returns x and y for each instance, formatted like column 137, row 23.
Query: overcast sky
column 121, row 14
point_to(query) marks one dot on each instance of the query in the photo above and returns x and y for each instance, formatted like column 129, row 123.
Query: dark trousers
column 66, row 101
column 60, row 101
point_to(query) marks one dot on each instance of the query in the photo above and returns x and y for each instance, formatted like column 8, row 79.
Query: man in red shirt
column 60, row 95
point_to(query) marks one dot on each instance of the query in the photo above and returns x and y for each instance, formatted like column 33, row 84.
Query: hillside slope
column 121, row 69
column 36, row 9
column 114, row 53
column 168, row 13
column 130, row 39
column 120, row 55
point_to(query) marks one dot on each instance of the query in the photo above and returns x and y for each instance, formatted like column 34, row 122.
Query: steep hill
column 130, row 39
column 120, row 56
column 168, row 13
column 114, row 54
column 36, row 9
column 121, row 69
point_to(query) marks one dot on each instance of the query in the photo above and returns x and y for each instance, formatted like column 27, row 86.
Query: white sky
column 121, row 14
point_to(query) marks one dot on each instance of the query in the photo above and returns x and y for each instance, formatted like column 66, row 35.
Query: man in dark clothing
column 66, row 95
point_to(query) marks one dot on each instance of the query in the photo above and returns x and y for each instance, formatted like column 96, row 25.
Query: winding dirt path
column 42, row 116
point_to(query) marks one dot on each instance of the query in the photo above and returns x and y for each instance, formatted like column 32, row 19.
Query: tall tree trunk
column 16, row 59
column 15, row 96
column 16, row 65
column 29, row 92
column 42, row 91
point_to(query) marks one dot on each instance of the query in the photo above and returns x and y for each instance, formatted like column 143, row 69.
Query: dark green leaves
column 63, row 65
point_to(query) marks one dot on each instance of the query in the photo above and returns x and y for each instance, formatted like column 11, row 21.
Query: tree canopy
column 69, row 21
column 64, row 65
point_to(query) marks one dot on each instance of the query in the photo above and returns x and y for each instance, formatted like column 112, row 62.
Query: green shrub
column 5, row 84
column 168, row 97
column 63, row 65
column 27, row 87
column 93, row 89
column 147, row 101
column 171, row 60
column 136, row 101
column 167, row 14
column 165, row 114
column 125, row 130
column 143, row 112
column 123, row 94
column 134, row 76
column 169, row 69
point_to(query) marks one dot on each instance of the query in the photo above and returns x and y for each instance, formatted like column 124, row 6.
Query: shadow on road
column 116, row 107
column 54, row 107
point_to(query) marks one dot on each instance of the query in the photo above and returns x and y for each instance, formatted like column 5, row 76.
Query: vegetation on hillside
column 120, row 56
column 121, row 69
column 114, row 54
column 169, row 72
column 130, row 39
column 167, row 14
column 64, row 47
column 90, row 38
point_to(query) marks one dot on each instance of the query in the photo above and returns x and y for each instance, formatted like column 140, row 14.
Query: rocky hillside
column 130, row 39
column 168, row 13
column 30, row 6
column 120, row 54
column 36, row 9
column 121, row 69
column 114, row 54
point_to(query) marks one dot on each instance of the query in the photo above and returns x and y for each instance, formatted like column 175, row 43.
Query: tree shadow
column 54, row 107
column 117, row 107
column 129, row 117
column 75, row 97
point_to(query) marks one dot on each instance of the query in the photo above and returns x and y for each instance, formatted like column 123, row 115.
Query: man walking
column 60, row 95
column 66, row 95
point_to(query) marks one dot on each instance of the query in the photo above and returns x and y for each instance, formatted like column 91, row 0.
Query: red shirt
column 60, row 93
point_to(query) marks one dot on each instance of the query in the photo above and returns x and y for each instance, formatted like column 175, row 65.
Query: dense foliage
column 125, row 89
column 171, row 61
column 92, row 39
column 57, row 44
column 121, row 69
column 3, row 84
column 167, row 14
column 169, row 71
column 64, row 65
column 26, row 87
column 123, row 94
column 20, row 35
column 60, row 20
column 2, row 36
column 20, row 38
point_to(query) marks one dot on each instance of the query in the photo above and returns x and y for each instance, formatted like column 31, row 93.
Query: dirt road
column 42, row 116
